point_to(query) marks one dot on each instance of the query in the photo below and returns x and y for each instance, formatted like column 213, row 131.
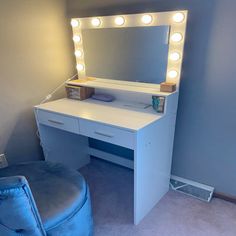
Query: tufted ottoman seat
column 61, row 196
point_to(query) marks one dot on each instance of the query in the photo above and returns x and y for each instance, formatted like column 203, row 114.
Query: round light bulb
column 146, row 19
column 172, row 74
column 176, row 37
column 178, row 17
column 80, row 67
column 119, row 20
column 74, row 23
column 77, row 38
column 174, row 56
column 78, row 53
column 96, row 22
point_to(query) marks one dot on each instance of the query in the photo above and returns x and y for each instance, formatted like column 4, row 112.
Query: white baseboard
column 111, row 158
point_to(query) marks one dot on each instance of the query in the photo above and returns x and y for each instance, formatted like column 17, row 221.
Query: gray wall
column 205, row 148
column 35, row 56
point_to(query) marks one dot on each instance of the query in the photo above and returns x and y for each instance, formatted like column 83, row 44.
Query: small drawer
column 58, row 121
column 107, row 133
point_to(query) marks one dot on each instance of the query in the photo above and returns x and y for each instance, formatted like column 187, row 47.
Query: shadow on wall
column 36, row 57
column 22, row 144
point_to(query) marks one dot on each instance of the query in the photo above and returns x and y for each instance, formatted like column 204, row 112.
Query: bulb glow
column 80, row 67
column 78, row 53
column 74, row 23
column 176, row 37
column 96, row 22
column 174, row 56
column 119, row 20
column 77, row 38
column 178, row 17
column 146, row 19
column 172, row 74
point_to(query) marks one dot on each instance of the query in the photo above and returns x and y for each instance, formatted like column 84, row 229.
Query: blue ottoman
column 61, row 197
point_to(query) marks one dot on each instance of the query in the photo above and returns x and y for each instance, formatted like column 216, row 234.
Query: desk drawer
column 107, row 133
column 58, row 121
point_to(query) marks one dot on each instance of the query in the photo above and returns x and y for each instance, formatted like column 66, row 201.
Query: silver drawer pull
column 103, row 134
column 56, row 122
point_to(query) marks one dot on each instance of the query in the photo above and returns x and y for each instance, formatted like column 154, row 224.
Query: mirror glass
column 137, row 54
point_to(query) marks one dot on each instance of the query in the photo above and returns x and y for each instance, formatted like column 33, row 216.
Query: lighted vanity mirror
column 137, row 54
column 136, row 49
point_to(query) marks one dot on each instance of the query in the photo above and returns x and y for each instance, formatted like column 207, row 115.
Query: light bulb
column 119, row 20
column 172, row 74
column 178, row 17
column 74, row 23
column 77, row 38
column 146, row 19
column 96, row 22
column 174, row 56
column 176, row 37
column 80, row 67
column 78, row 53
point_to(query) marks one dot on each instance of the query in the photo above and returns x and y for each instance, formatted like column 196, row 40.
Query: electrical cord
column 49, row 96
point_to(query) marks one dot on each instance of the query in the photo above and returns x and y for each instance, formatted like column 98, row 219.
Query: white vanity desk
column 65, row 124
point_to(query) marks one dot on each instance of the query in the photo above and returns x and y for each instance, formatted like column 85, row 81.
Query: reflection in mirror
column 138, row 54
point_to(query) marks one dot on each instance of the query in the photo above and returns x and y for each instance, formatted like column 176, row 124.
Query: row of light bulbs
column 120, row 20
column 146, row 19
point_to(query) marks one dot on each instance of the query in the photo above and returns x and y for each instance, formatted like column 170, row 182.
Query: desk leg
column 152, row 166
column 67, row 148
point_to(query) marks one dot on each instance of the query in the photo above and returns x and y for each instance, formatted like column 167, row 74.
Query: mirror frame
column 176, row 20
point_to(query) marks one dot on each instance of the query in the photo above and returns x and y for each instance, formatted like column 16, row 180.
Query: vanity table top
column 116, row 113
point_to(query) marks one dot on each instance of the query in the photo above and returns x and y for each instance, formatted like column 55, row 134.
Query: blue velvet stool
column 43, row 198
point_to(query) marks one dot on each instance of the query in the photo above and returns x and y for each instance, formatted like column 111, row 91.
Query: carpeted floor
column 176, row 214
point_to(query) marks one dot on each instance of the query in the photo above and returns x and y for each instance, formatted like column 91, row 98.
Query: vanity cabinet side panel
column 152, row 165
column 171, row 105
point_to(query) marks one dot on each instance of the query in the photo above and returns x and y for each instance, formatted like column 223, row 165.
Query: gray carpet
column 176, row 214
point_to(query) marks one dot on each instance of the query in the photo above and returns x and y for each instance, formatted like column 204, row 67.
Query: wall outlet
column 3, row 161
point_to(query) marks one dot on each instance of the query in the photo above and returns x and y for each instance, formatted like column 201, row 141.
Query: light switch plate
column 3, row 161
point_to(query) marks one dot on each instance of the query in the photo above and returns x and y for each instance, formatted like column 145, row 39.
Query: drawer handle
column 56, row 122
column 103, row 134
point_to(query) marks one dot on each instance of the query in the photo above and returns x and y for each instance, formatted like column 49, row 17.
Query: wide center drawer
column 58, row 121
column 107, row 133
